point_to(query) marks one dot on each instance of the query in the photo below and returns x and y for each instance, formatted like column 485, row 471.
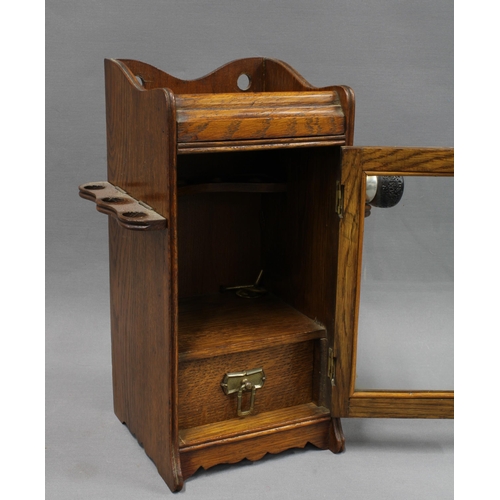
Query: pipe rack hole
column 113, row 199
column 244, row 82
column 134, row 215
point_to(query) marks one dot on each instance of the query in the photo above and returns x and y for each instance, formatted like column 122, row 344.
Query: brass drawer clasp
column 239, row 382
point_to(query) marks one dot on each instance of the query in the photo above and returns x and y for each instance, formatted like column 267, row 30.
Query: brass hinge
column 339, row 200
column 331, row 366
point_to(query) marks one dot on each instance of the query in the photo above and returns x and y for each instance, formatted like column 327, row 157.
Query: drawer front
column 289, row 382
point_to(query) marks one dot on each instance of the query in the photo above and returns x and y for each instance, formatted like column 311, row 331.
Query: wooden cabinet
column 233, row 288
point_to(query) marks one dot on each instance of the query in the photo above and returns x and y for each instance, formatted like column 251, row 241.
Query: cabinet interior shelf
column 225, row 323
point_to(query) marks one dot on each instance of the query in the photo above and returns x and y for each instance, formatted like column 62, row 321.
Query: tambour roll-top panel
column 257, row 116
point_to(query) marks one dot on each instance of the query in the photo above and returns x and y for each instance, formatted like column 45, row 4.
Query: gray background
column 397, row 56
column 406, row 321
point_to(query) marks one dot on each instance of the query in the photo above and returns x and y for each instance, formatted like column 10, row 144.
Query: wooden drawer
column 289, row 382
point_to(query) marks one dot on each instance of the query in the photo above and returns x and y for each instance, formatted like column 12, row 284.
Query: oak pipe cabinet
column 236, row 214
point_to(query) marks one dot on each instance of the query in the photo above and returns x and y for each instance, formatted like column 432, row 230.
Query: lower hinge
column 331, row 366
column 339, row 200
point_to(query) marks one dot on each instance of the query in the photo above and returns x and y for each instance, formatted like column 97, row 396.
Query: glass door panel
column 405, row 325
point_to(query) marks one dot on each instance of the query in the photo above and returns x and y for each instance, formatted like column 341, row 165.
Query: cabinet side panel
column 300, row 235
column 141, row 139
column 141, row 344
column 141, row 144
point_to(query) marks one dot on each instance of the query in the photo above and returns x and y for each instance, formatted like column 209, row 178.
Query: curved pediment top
column 265, row 75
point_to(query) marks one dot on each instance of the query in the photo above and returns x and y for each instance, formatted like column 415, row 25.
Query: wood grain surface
column 401, row 407
column 399, row 161
column 273, row 432
column 128, row 212
column 219, row 241
column 143, row 269
column 222, row 80
column 266, row 76
column 289, row 382
column 225, row 323
column 269, row 115
column 237, row 428
column 260, row 144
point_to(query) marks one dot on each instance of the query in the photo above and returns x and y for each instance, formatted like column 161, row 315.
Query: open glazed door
column 393, row 341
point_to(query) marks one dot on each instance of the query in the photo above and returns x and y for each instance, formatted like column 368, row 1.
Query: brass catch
column 240, row 382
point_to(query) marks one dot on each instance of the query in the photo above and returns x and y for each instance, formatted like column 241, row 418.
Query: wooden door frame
column 357, row 163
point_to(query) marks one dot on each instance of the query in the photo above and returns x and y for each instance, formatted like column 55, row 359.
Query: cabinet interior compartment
column 238, row 214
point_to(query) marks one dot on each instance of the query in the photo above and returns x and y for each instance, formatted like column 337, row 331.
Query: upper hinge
column 339, row 200
column 331, row 366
